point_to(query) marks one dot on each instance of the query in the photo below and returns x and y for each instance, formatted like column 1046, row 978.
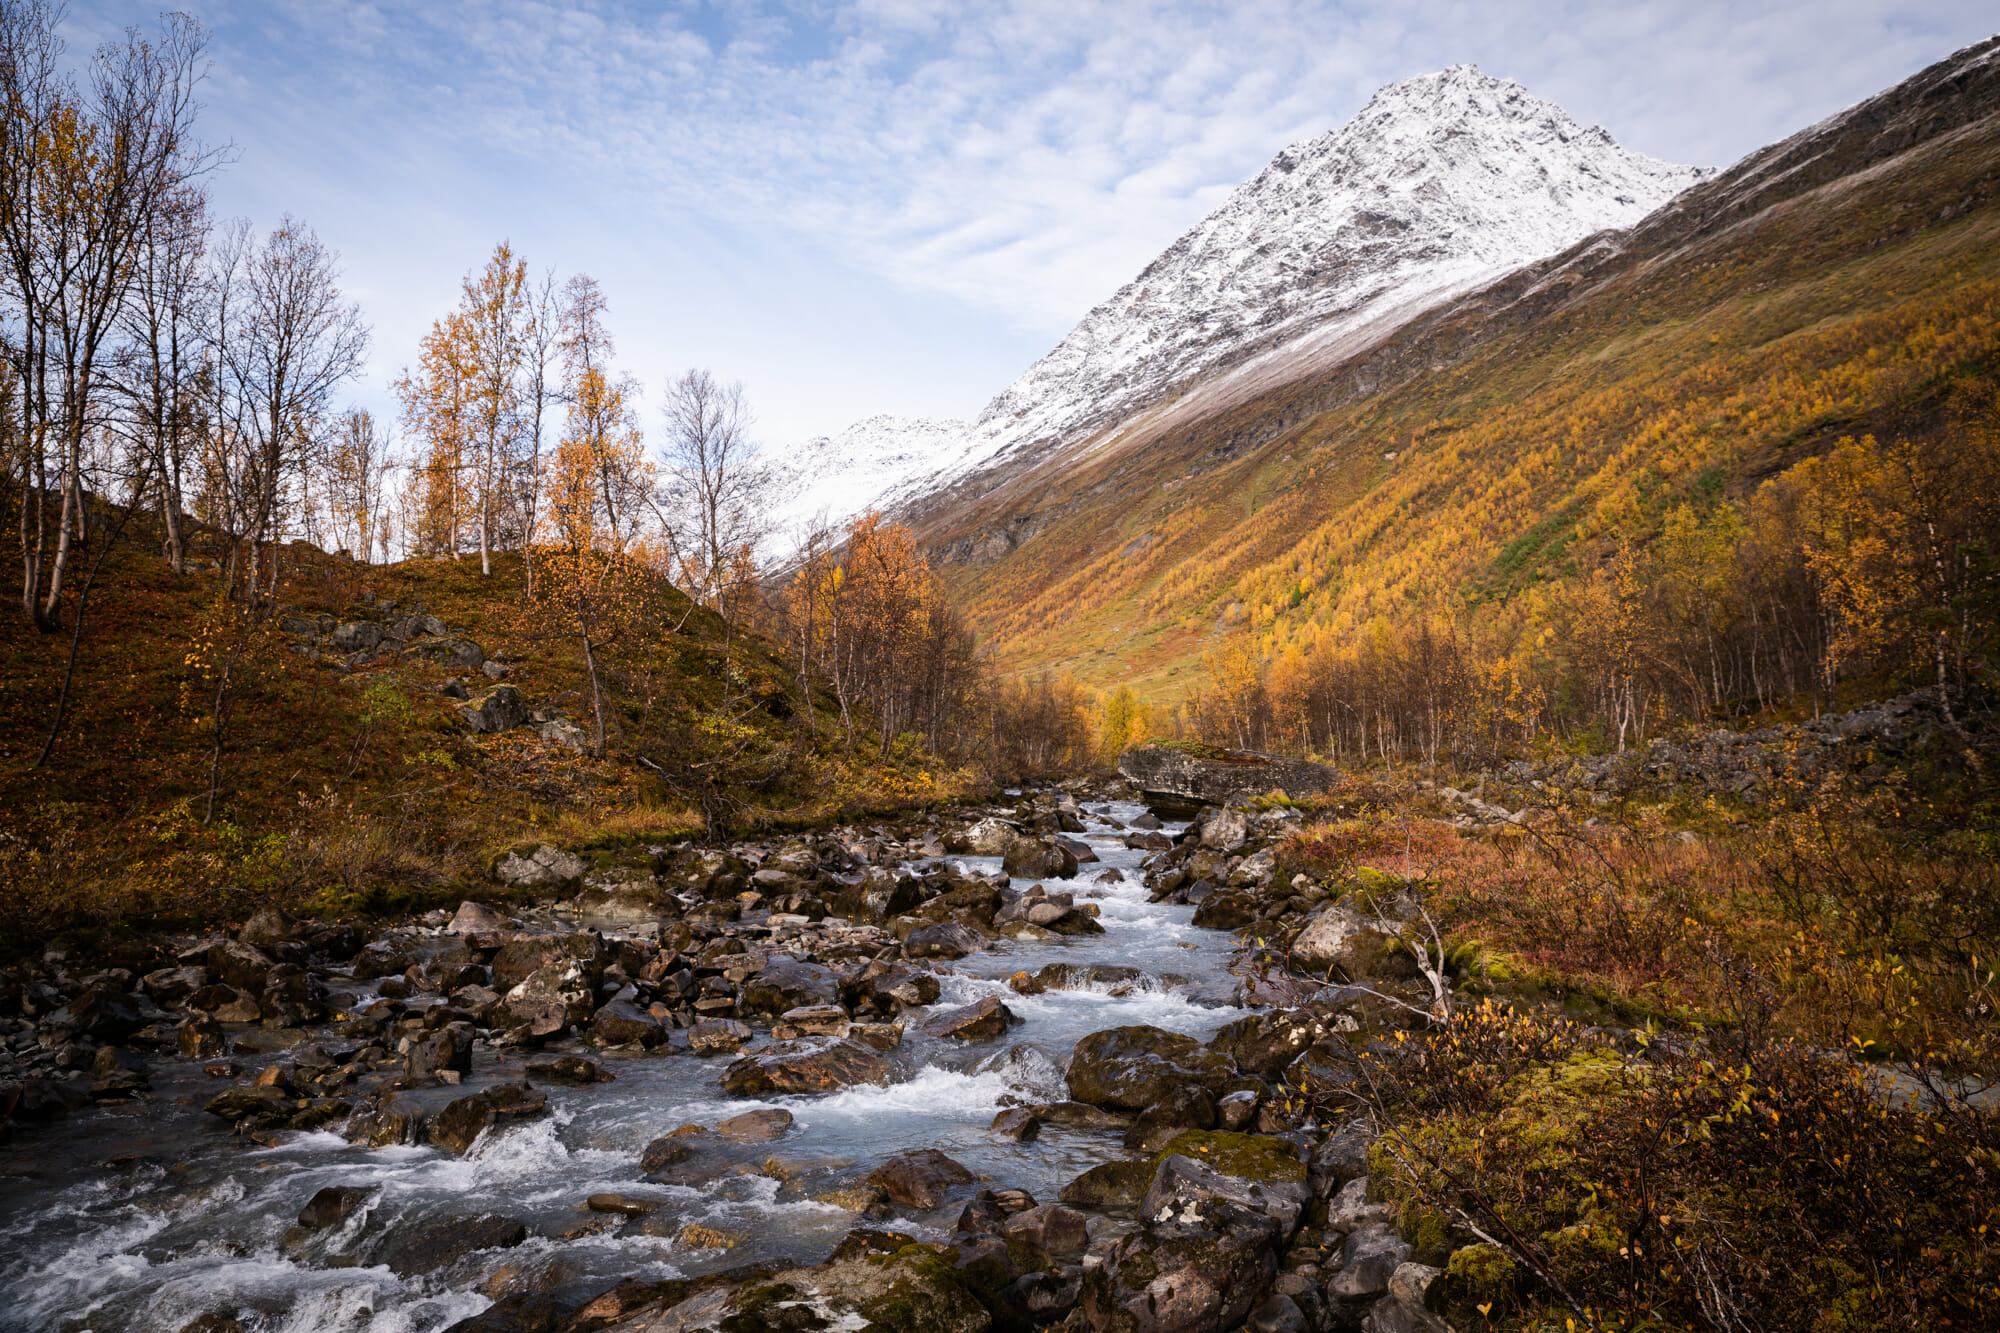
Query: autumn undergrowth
column 1714, row 1065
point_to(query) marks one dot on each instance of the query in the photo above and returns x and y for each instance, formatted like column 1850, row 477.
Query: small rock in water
column 1017, row 1123
column 332, row 1206
column 700, row 1236
column 712, row 1035
column 623, row 1204
column 567, row 1069
column 982, row 1021
column 1023, row 983
column 675, row 1147
column 756, row 1126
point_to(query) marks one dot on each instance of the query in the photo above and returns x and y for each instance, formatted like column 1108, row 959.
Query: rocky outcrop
column 543, row 867
column 1175, row 779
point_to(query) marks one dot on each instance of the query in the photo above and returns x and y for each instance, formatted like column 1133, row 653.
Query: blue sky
column 897, row 205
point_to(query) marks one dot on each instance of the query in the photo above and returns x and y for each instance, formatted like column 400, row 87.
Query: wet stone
column 919, row 1179
column 710, row 1036
column 981, row 1021
column 817, row 1065
column 1017, row 1123
column 574, row 1069
column 622, row 1204
column 432, row 1245
column 460, row 1124
column 756, row 1126
column 332, row 1206
column 945, row 940
column 812, row 1020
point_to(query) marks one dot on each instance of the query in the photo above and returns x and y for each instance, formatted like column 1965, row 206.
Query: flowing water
column 151, row 1215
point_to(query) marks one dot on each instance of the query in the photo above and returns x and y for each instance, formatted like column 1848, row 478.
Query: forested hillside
column 1743, row 455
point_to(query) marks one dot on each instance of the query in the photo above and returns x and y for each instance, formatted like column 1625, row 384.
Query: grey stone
column 1367, row 1260
column 356, row 636
column 542, row 867
column 499, row 709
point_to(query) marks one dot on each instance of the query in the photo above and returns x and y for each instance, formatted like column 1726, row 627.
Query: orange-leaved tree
column 595, row 573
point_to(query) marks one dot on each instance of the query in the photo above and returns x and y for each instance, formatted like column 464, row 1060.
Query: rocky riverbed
column 995, row 1068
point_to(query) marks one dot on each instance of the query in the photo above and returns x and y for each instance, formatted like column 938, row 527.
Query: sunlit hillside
column 1499, row 456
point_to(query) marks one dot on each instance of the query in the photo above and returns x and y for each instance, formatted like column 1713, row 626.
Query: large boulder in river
column 621, row 1022
column 873, row 1280
column 919, row 1179
column 884, row 990
column 552, row 997
column 1039, row 858
column 946, row 939
column 1265, row 1043
column 1214, row 1220
column 988, row 837
column 102, row 1015
column 980, row 1021
column 879, row 895
column 241, row 965
column 429, row 1246
column 1182, row 780
column 526, row 954
column 1131, row 1068
column 786, row 983
column 460, row 1124
column 808, row 1065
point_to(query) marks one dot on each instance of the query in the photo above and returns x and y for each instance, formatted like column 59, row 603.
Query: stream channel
column 151, row 1214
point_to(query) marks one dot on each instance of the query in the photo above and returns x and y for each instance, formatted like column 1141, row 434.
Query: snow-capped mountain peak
column 1440, row 184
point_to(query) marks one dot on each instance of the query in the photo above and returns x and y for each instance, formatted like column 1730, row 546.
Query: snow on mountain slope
column 831, row 478
column 1442, row 183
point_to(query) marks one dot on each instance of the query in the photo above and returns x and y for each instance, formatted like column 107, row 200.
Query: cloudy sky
column 897, row 205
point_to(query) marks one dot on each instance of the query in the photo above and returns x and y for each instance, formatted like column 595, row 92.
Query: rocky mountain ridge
column 1440, row 184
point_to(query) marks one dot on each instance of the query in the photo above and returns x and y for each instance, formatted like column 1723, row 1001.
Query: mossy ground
column 361, row 790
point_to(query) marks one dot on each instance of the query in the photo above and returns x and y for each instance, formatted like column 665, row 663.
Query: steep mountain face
column 1440, row 184
column 1525, row 427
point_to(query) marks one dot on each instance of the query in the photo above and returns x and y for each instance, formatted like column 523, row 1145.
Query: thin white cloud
column 1023, row 157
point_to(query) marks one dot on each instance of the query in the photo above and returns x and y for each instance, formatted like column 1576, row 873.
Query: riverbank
column 1394, row 1063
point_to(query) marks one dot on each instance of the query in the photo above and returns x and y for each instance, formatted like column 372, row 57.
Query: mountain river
column 151, row 1214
